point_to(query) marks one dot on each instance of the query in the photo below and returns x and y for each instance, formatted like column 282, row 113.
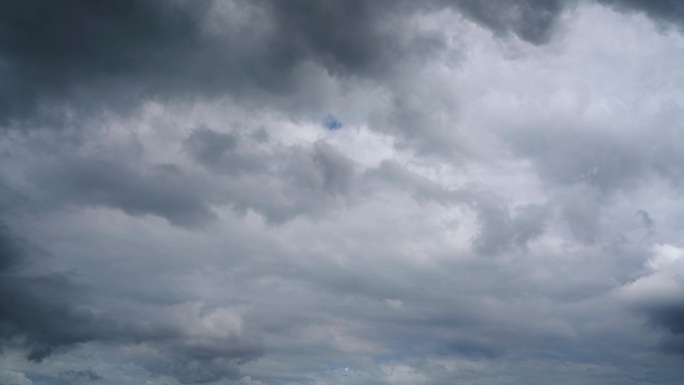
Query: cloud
column 29, row 306
column 278, row 182
column 161, row 190
column 500, row 230
column 531, row 20
column 646, row 220
column 481, row 207
column 50, row 312
column 84, row 49
column 657, row 294
column 660, row 10
column 14, row 378
column 119, row 54
column 86, row 374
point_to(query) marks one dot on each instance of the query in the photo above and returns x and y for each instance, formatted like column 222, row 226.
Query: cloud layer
column 341, row 192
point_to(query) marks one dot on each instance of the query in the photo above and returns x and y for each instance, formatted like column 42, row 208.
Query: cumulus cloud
column 341, row 192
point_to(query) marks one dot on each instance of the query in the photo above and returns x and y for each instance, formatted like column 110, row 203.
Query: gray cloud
column 30, row 307
column 207, row 362
column 473, row 220
column 161, row 190
column 118, row 54
column 668, row 318
column 531, row 20
column 500, row 230
column 51, row 312
column 280, row 183
column 662, row 10
column 86, row 374
column 83, row 49
column 646, row 220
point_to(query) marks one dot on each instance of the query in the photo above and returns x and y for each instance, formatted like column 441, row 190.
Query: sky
column 341, row 192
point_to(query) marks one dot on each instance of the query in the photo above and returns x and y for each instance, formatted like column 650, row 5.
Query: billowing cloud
column 341, row 192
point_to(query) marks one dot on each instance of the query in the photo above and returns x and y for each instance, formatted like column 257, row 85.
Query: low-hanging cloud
column 387, row 192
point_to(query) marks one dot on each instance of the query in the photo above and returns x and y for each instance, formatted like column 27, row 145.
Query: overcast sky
column 353, row 192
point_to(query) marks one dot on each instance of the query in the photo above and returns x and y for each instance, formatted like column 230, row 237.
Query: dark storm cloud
column 59, row 51
column 36, row 309
column 87, row 56
column 10, row 249
column 50, row 312
column 115, row 54
column 34, row 306
column 669, row 318
column 344, row 36
column 31, row 309
column 112, row 54
column 60, row 58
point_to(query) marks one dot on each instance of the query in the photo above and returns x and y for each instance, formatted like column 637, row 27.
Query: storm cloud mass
column 267, row 192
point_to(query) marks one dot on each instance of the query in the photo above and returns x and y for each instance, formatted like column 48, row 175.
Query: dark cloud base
column 78, row 56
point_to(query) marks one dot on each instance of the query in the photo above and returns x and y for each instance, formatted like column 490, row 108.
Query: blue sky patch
column 332, row 123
